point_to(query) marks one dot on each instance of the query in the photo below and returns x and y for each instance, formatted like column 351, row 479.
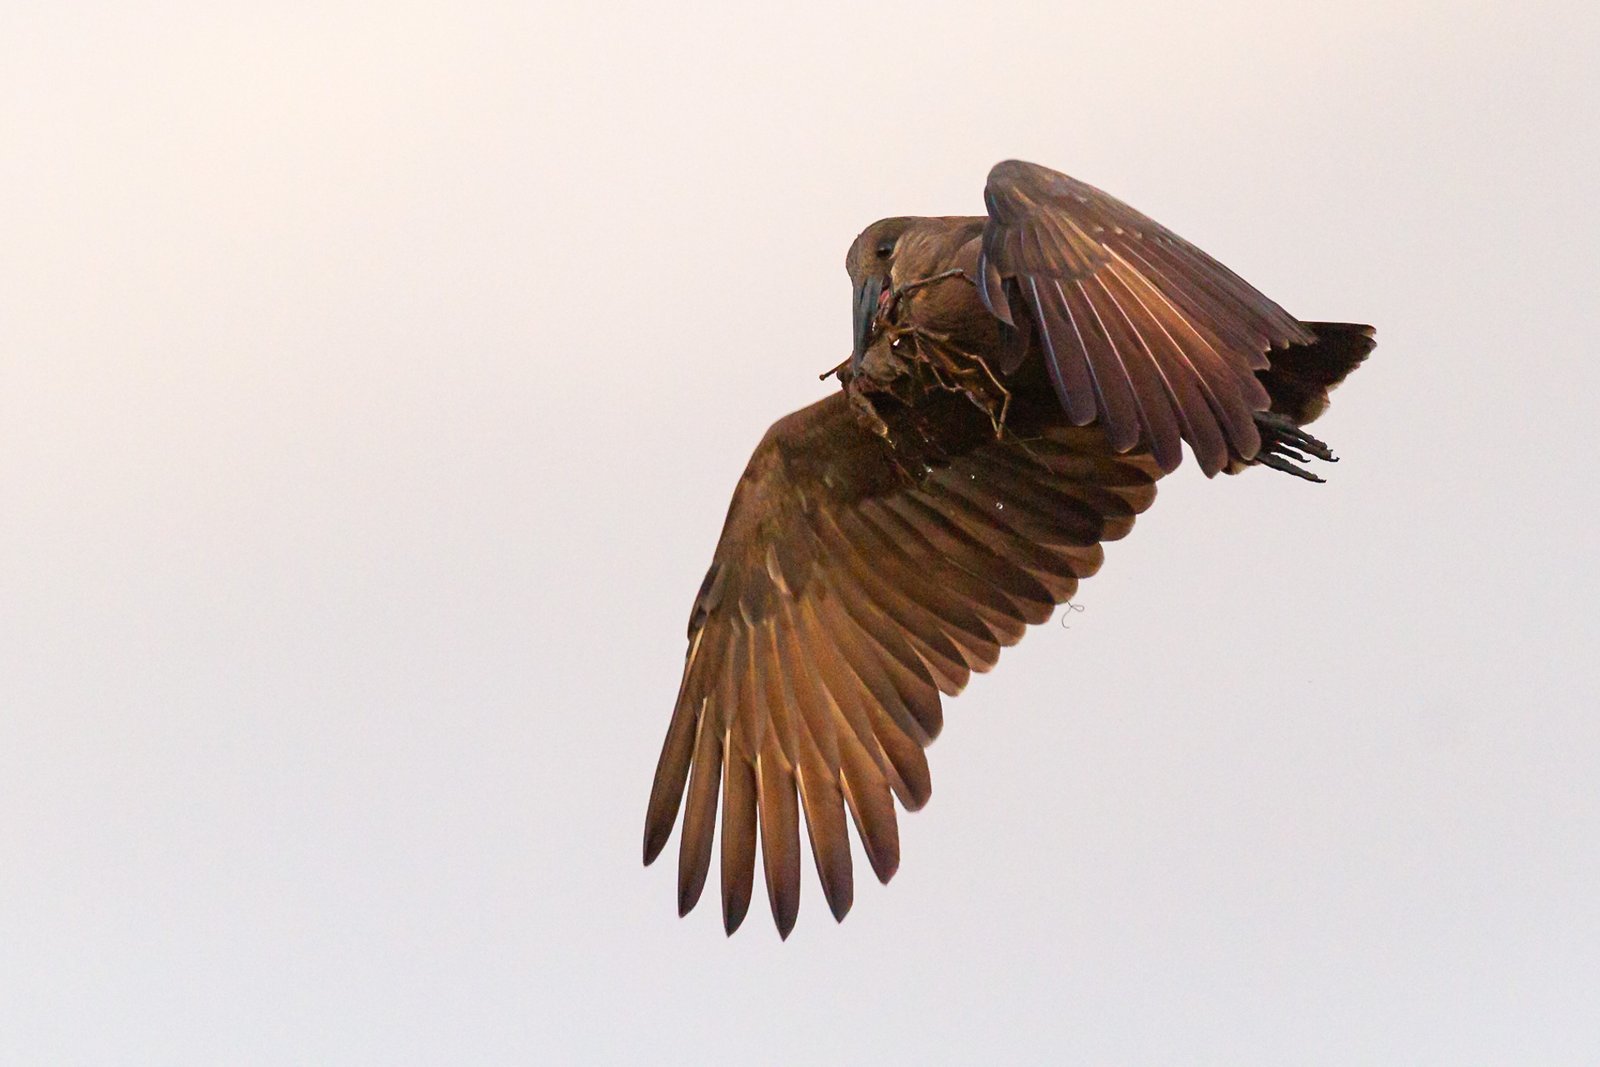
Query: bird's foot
column 1284, row 446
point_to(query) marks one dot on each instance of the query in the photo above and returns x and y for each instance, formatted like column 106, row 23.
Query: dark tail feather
column 1302, row 375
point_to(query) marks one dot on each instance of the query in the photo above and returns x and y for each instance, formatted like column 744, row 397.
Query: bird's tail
column 1302, row 375
column 1299, row 380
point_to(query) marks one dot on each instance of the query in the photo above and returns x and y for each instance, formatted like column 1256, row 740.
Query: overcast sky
column 372, row 387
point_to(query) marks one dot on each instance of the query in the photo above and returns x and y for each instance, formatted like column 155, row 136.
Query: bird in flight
column 1018, row 382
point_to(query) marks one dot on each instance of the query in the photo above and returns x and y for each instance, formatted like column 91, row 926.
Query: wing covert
column 1140, row 329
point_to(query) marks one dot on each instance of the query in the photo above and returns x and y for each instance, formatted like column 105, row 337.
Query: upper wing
column 853, row 584
column 1140, row 329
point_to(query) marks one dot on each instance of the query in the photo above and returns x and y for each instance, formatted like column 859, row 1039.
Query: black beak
column 868, row 293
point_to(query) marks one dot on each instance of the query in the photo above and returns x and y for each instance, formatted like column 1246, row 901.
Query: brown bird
column 1018, row 383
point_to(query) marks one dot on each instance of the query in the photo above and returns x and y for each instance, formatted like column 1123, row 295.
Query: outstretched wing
column 853, row 584
column 1140, row 329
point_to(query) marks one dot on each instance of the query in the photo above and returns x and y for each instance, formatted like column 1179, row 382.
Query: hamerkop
column 1018, row 383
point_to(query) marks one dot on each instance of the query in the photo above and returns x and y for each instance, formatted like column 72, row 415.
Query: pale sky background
column 372, row 386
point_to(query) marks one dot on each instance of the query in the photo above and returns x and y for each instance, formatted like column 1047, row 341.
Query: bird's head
column 870, row 263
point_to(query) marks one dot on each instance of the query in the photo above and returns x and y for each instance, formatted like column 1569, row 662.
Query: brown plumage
column 1019, row 382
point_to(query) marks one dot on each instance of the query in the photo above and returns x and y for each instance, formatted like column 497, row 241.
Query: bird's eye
column 884, row 249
